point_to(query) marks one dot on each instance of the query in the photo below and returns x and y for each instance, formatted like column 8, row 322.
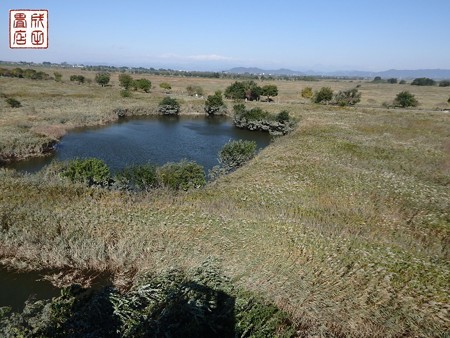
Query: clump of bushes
column 214, row 104
column 169, row 106
column 258, row 119
column 423, row 81
column 235, row 154
column 139, row 177
column 444, row 83
column 77, row 78
column 347, row 97
column 183, row 175
column 91, row 171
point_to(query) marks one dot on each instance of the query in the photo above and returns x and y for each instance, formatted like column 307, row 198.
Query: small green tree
column 405, row 99
column 392, row 80
column 269, row 90
column 102, row 78
column 125, row 81
column 307, row 92
column 164, row 85
column 324, row 95
column 214, row 104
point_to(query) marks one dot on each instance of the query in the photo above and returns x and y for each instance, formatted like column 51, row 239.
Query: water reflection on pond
column 155, row 139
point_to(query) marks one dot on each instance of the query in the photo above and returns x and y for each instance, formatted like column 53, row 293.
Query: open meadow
column 344, row 223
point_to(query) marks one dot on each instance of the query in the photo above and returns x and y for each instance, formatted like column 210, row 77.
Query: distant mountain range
column 436, row 74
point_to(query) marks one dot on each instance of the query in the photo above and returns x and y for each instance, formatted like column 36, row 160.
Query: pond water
column 156, row 140
column 16, row 288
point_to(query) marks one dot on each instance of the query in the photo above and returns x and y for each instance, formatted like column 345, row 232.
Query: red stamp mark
column 28, row 28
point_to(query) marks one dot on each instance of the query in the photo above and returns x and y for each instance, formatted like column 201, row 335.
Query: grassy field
column 344, row 223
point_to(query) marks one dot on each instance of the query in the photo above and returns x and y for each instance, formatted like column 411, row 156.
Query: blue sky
column 324, row 35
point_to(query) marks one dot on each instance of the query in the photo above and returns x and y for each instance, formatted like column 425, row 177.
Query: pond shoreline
column 49, row 145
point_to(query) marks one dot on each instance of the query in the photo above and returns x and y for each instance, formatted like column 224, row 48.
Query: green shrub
column 183, row 175
column 444, row 83
column 165, row 86
column 214, row 104
column 143, row 84
column 392, row 80
column 405, row 99
column 13, row 103
column 78, row 78
column 255, row 114
column 423, row 81
column 102, row 78
column 307, row 93
column 90, row 171
column 169, row 106
column 283, row 116
column 324, row 95
column 234, row 154
column 125, row 81
column 125, row 93
column 347, row 97
column 139, row 177
column 243, row 90
column 402, row 82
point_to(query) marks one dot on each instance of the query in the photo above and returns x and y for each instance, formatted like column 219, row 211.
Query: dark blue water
column 156, row 140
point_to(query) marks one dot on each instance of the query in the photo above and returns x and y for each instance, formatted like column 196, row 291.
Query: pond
column 155, row 139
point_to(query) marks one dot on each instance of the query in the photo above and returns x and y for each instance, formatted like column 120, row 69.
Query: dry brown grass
column 344, row 223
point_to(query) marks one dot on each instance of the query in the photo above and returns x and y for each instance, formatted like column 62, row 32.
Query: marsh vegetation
column 342, row 224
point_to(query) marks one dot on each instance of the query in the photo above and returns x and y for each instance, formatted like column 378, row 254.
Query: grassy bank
column 343, row 223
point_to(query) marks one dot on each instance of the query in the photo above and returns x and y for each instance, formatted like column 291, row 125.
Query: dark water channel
column 157, row 139
column 16, row 288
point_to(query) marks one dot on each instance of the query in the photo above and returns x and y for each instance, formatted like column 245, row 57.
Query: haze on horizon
column 218, row 35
